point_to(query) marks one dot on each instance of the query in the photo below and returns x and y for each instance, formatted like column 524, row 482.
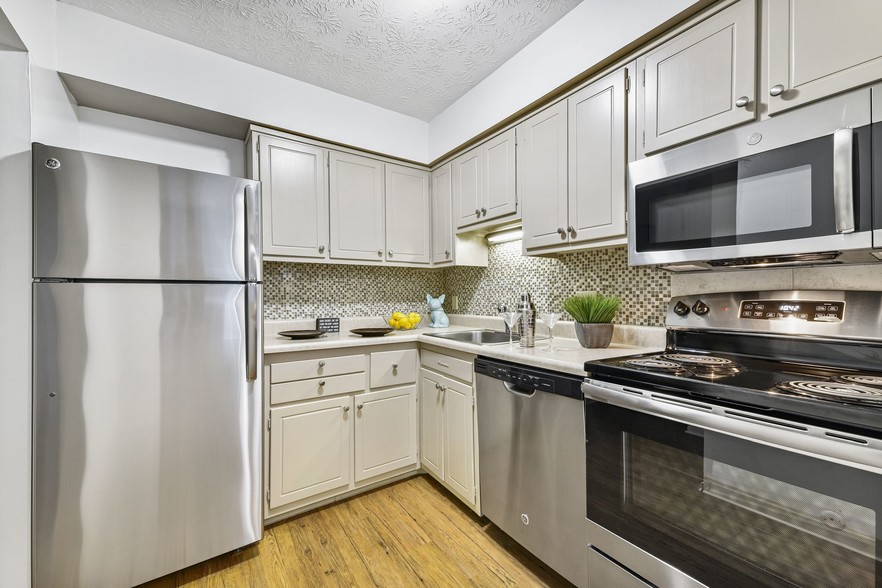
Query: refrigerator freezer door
column 101, row 217
column 147, row 432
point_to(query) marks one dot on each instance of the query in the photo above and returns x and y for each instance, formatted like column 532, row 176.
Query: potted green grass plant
column 593, row 314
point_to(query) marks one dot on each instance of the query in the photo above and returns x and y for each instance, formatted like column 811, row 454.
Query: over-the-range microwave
column 793, row 189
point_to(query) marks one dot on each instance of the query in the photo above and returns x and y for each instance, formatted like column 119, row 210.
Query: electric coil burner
column 834, row 390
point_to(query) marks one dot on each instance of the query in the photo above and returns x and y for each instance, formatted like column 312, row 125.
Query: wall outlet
column 454, row 303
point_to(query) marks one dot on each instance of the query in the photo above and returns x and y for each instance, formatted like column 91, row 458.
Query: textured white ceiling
column 411, row 56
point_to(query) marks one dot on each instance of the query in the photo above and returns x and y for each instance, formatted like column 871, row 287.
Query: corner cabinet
column 295, row 204
column 701, row 81
column 338, row 422
column 484, row 182
column 816, row 48
column 572, row 160
column 448, row 423
column 449, row 248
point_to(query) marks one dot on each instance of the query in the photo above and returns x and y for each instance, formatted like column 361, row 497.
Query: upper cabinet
column 817, row 48
column 571, row 162
column 295, row 202
column 408, row 215
column 703, row 80
column 442, row 215
column 357, row 219
column 484, row 182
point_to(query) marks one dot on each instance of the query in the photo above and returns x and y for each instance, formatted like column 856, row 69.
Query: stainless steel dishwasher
column 531, row 447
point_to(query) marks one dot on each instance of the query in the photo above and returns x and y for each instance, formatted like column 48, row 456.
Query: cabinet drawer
column 316, row 388
column 452, row 366
column 316, row 368
column 389, row 368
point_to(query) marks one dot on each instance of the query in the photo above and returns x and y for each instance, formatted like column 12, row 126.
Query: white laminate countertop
column 568, row 356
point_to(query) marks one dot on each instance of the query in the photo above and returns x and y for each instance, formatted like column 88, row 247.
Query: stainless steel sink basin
column 480, row 337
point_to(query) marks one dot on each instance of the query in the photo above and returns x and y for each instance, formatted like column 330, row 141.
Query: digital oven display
column 820, row 311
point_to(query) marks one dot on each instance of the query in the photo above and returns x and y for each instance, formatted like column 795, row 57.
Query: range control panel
column 826, row 311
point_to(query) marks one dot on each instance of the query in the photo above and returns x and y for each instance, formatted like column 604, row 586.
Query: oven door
column 796, row 184
column 729, row 498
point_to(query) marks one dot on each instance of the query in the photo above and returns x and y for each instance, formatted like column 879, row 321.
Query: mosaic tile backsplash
column 296, row 290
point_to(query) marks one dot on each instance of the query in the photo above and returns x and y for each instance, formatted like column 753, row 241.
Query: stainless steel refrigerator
column 147, row 368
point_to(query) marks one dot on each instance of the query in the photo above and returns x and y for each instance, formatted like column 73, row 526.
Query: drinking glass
column 510, row 317
column 550, row 319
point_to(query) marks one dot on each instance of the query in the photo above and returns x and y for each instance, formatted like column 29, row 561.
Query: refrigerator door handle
column 252, row 329
column 252, row 233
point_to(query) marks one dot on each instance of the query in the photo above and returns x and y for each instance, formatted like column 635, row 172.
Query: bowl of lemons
column 404, row 322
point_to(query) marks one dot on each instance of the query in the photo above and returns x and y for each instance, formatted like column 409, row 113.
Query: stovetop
column 805, row 356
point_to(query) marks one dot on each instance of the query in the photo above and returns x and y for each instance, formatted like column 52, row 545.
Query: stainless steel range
column 749, row 453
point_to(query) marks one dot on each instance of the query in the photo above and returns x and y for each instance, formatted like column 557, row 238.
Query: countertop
column 567, row 357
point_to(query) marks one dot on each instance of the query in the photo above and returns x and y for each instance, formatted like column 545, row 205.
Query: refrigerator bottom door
column 147, row 432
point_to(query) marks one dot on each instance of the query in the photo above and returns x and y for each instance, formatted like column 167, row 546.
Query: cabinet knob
column 394, row 366
column 742, row 102
column 561, row 232
column 321, row 248
column 380, row 252
column 345, row 409
column 776, row 90
column 321, row 382
column 571, row 230
column 391, row 253
column 322, row 363
column 437, row 386
column 477, row 212
column 484, row 211
column 359, row 406
column 446, row 253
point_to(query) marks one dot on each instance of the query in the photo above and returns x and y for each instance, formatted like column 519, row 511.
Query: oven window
column 728, row 511
column 806, row 537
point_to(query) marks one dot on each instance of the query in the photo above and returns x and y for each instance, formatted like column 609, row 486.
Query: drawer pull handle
column 321, row 382
column 442, row 364
column 322, row 363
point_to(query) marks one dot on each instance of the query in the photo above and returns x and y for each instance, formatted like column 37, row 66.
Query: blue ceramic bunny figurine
column 438, row 316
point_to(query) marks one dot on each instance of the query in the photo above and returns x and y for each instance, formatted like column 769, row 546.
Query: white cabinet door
column 295, row 195
column 408, row 215
column 357, row 219
column 693, row 82
column 442, row 215
column 597, row 160
column 817, row 48
column 500, row 195
column 468, row 187
column 459, row 438
column 310, row 444
column 542, row 167
column 431, row 424
column 385, row 431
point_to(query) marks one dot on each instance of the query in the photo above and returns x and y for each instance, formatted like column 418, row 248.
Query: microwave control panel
column 816, row 311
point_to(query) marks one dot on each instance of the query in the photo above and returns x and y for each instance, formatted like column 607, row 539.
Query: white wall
column 588, row 34
column 15, row 313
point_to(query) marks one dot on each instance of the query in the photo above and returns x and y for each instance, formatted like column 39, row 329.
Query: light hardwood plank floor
column 412, row 533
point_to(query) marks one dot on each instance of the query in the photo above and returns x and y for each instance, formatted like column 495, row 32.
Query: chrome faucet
column 500, row 307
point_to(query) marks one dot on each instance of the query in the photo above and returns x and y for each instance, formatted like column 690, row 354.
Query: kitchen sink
column 480, row 337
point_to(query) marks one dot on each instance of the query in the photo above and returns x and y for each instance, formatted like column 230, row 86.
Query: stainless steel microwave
column 793, row 189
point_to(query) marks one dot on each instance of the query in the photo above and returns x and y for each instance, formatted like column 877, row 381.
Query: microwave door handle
column 843, row 183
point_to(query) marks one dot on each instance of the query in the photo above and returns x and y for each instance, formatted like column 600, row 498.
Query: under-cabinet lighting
column 504, row 236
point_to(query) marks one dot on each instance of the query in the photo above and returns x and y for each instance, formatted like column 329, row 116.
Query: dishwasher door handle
column 515, row 389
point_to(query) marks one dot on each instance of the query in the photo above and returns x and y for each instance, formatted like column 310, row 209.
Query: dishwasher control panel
column 529, row 378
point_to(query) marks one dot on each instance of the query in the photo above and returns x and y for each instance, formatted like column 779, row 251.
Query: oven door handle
column 844, row 448
column 843, row 180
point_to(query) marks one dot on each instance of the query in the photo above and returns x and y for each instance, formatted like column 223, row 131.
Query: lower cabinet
column 338, row 421
column 448, row 438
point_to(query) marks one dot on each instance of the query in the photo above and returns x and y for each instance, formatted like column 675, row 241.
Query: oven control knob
column 681, row 308
column 700, row 308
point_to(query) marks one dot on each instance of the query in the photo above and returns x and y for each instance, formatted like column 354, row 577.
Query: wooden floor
column 413, row 533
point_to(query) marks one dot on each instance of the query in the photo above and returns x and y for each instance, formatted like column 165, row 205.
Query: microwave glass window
column 774, row 201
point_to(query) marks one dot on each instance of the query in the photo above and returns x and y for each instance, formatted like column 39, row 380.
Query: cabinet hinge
column 269, row 424
column 257, row 144
column 628, row 84
column 643, row 77
column 267, row 496
column 644, row 138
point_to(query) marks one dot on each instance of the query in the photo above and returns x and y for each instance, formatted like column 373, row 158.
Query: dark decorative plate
column 372, row 332
column 304, row 334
